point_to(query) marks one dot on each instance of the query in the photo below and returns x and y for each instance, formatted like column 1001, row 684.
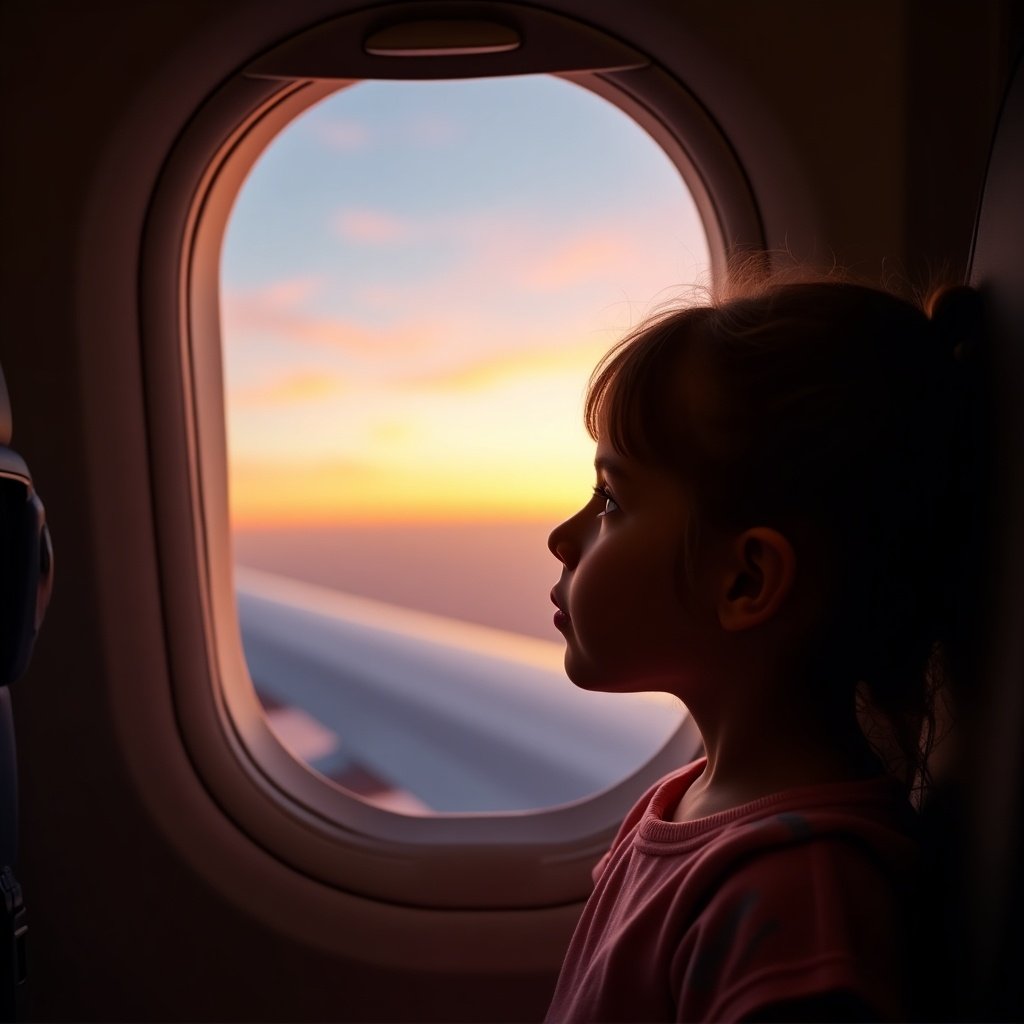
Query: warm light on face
column 413, row 300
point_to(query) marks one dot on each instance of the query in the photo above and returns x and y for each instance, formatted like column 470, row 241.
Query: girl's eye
column 610, row 504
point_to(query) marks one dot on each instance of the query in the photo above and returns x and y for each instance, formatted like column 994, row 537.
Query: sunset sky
column 417, row 280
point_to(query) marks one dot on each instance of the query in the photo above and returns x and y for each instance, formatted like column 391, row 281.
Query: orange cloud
column 297, row 389
column 494, row 369
column 392, row 432
column 267, row 492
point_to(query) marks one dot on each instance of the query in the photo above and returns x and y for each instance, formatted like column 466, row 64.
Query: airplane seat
column 26, row 578
column 970, row 946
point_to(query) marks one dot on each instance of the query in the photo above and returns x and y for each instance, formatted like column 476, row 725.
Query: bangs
column 633, row 389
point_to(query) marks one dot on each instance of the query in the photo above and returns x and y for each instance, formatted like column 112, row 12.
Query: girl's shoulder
column 829, row 876
column 871, row 817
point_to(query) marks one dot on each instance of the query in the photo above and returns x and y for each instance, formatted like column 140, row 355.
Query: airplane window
column 416, row 280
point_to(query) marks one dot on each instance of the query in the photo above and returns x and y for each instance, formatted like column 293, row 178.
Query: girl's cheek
column 594, row 598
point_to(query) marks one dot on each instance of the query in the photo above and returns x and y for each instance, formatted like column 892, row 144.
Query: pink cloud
column 248, row 313
column 375, row 227
column 291, row 292
column 344, row 135
column 582, row 258
column 475, row 300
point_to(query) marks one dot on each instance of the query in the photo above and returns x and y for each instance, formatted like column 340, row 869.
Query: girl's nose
column 562, row 545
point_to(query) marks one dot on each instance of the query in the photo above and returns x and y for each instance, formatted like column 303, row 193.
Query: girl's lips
column 561, row 618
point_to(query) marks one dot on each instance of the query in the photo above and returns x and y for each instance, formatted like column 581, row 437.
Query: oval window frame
column 543, row 857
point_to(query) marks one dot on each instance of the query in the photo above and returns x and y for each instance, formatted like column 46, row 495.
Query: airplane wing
column 429, row 714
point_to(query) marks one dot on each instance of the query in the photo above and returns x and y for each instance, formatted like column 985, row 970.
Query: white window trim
column 543, row 858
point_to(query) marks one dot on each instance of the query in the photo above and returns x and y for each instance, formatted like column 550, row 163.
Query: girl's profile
column 773, row 539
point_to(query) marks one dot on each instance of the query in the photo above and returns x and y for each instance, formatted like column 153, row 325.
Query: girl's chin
column 586, row 677
column 580, row 675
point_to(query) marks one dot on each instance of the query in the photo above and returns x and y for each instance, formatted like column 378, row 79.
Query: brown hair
column 833, row 412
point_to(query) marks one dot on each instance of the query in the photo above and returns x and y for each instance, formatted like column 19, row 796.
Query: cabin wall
column 863, row 129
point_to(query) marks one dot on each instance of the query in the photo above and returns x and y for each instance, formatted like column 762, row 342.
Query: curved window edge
column 543, row 856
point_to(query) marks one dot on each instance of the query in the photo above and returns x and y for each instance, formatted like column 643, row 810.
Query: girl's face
column 630, row 616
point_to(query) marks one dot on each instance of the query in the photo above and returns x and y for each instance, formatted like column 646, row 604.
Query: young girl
column 772, row 539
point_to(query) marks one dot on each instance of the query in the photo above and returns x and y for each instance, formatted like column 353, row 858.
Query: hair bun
column 956, row 313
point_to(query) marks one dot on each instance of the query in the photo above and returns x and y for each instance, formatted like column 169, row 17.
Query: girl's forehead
column 638, row 476
column 609, row 461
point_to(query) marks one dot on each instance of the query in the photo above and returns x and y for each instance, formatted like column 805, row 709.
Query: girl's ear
column 759, row 577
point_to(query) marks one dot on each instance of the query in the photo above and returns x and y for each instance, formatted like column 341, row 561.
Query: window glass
column 417, row 280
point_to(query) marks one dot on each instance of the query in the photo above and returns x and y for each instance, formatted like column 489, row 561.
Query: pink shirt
column 795, row 895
